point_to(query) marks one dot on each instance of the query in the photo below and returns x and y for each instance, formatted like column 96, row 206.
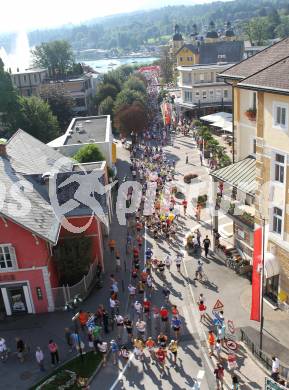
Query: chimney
column 3, row 152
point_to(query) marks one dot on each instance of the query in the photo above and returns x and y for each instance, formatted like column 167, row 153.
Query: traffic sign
column 218, row 305
column 232, row 345
column 231, row 326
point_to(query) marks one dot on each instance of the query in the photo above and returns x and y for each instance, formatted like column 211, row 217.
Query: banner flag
column 256, row 277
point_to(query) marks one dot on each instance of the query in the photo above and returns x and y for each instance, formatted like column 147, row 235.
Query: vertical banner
column 256, row 277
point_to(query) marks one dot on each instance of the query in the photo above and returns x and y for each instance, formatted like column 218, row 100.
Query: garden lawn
column 84, row 369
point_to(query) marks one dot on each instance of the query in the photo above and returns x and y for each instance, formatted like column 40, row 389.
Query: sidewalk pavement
column 233, row 290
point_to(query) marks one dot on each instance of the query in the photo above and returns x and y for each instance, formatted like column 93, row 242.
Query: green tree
column 127, row 97
column 57, row 56
column 105, row 90
column 282, row 30
column 36, row 118
column 8, row 98
column 73, row 258
column 106, row 106
column 256, row 30
column 89, row 153
column 60, row 103
column 130, row 118
column 166, row 65
column 134, row 83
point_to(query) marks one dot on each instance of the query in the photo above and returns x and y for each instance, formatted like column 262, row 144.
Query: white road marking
column 121, row 374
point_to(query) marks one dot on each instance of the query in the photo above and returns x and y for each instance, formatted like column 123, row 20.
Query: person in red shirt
column 135, row 253
column 82, row 318
column 185, row 205
column 164, row 314
column 147, row 306
column 161, row 356
column 139, row 241
column 202, row 311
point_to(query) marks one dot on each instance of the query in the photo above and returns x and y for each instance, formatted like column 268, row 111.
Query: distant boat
column 134, row 62
column 111, row 64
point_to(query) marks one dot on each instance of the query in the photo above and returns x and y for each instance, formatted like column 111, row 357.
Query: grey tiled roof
column 259, row 61
column 275, row 77
column 39, row 217
column 29, row 155
column 241, row 175
column 67, row 192
column 27, row 159
column 210, row 52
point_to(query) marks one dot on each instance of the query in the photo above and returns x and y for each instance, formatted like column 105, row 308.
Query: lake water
column 103, row 66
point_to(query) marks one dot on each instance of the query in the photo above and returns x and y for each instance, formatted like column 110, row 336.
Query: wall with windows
column 186, row 58
column 30, row 251
column 276, row 123
column 245, row 129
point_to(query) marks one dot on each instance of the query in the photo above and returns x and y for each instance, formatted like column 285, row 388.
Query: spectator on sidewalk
column 67, row 335
column 102, row 347
column 207, row 244
column 53, row 349
column 39, row 356
column 275, row 368
column 20, row 347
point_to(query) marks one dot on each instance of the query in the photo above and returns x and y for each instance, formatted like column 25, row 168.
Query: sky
column 31, row 14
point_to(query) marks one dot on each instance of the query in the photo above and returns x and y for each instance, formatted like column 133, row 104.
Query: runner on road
column 178, row 261
column 173, row 347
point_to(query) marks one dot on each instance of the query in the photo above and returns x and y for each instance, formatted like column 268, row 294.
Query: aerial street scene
column 144, row 181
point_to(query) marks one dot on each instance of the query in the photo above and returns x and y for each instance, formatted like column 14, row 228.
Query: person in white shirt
column 141, row 328
column 102, row 347
column 119, row 323
column 138, row 307
column 112, row 305
column 178, row 261
column 39, row 356
column 132, row 292
column 168, row 261
column 275, row 368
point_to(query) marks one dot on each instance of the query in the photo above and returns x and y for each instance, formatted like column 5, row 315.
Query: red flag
column 256, row 277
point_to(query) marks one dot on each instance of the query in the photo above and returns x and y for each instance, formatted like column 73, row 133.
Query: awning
column 224, row 125
column 241, row 175
column 271, row 265
column 218, row 116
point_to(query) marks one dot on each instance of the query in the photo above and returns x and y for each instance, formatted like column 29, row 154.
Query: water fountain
column 20, row 57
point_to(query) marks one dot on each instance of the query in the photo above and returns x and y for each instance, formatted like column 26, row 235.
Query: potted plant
column 202, row 199
column 189, row 177
column 251, row 114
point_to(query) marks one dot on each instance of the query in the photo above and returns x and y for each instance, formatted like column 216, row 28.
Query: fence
column 263, row 357
column 62, row 295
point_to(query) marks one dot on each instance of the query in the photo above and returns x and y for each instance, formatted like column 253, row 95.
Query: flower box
column 251, row 114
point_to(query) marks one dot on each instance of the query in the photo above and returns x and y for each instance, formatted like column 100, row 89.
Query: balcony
column 237, row 210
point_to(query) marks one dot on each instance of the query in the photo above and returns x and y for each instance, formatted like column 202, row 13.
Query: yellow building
column 261, row 130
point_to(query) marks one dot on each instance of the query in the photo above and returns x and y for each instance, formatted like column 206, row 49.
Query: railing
column 64, row 294
column 270, row 384
column 263, row 357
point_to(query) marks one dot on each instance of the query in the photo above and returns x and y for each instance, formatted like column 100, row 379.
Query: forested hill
column 130, row 31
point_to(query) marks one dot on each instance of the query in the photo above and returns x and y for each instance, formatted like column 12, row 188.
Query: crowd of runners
column 149, row 332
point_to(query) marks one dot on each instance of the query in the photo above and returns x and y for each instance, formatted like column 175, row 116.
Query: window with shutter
column 280, row 112
column 8, row 260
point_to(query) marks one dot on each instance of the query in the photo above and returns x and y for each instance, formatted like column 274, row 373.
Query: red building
column 30, row 225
